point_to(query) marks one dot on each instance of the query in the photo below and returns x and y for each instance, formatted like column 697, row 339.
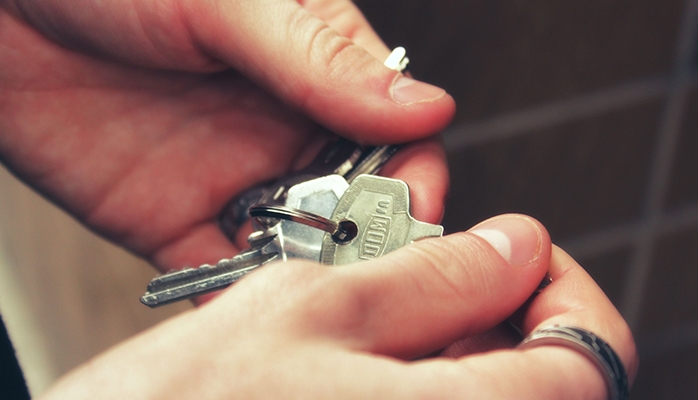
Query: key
column 190, row 282
column 379, row 209
column 371, row 219
column 367, row 219
column 318, row 197
column 371, row 161
column 316, row 189
column 278, row 240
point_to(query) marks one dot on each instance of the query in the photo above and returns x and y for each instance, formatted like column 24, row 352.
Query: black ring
column 591, row 346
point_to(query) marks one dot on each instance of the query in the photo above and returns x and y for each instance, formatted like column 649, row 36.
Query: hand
column 300, row 330
column 143, row 118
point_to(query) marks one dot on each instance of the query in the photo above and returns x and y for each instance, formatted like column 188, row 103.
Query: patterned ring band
column 591, row 346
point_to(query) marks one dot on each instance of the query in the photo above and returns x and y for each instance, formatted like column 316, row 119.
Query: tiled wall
column 583, row 114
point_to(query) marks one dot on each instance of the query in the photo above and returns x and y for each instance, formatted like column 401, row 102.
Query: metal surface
column 190, row 282
column 367, row 219
column 372, row 160
column 318, row 197
column 298, row 216
column 380, row 209
column 397, row 59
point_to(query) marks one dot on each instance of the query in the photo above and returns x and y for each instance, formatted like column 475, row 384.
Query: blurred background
column 583, row 114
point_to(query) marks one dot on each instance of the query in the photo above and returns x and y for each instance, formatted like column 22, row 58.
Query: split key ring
column 342, row 232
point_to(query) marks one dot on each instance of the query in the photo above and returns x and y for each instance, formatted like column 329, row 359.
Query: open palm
column 145, row 141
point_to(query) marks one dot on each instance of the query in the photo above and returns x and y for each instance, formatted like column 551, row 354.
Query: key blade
column 191, row 282
column 422, row 230
column 371, row 161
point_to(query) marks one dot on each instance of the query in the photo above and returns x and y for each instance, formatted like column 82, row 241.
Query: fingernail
column 409, row 91
column 516, row 238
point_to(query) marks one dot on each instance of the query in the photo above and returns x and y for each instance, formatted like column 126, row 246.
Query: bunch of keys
column 335, row 211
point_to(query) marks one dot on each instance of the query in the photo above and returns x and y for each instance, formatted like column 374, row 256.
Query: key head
column 379, row 210
column 318, row 196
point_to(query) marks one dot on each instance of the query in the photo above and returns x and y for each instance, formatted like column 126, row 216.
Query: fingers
column 303, row 60
column 318, row 329
column 573, row 298
column 424, row 296
column 553, row 372
column 502, row 336
column 545, row 372
column 440, row 290
column 417, row 299
column 323, row 59
column 550, row 373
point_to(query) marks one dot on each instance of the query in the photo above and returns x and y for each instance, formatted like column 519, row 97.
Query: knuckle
column 309, row 296
column 327, row 52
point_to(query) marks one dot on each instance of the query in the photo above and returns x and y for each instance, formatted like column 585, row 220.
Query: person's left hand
column 143, row 118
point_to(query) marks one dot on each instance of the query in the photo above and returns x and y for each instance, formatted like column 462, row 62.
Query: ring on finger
column 589, row 345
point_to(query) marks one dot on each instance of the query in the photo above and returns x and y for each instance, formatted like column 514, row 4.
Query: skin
column 160, row 134
column 143, row 118
column 299, row 330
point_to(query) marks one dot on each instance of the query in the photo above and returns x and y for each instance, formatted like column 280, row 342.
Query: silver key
column 315, row 189
column 318, row 197
column 372, row 161
column 189, row 282
column 379, row 208
column 370, row 219
column 278, row 240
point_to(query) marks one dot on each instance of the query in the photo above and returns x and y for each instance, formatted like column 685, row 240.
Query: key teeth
column 169, row 278
column 172, row 277
column 191, row 282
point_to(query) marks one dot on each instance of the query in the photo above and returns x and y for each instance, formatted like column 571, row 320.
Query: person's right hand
column 302, row 330
column 143, row 118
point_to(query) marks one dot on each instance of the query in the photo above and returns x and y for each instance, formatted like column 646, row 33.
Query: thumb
column 294, row 52
column 416, row 299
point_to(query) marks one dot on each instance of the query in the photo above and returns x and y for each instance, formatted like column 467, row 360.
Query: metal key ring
column 341, row 232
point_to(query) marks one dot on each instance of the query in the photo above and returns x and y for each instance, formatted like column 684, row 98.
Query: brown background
column 583, row 114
